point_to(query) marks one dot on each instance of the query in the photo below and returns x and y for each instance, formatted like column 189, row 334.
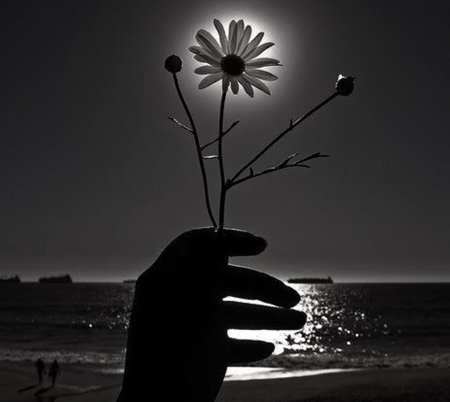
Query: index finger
column 240, row 243
column 211, row 241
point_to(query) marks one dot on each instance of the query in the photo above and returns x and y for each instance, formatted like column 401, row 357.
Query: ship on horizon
column 56, row 279
column 10, row 279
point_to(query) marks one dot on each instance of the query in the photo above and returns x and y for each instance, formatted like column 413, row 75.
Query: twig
column 292, row 125
column 199, row 151
column 217, row 139
column 283, row 165
column 233, row 125
column 313, row 156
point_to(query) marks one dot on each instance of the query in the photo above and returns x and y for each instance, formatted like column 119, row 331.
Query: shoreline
column 76, row 384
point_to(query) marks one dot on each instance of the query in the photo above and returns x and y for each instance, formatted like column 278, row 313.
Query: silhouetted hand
column 178, row 349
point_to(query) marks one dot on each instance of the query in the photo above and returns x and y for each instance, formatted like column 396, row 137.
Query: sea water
column 348, row 326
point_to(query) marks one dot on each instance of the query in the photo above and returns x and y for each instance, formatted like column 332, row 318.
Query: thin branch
column 292, row 125
column 217, row 139
column 180, row 124
column 233, row 125
column 283, row 165
column 199, row 151
column 264, row 172
column 313, row 156
column 287, row 160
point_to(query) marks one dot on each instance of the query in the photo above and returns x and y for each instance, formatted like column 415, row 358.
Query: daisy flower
column 234, row 60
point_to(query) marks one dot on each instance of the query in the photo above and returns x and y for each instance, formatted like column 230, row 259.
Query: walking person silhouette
column 40, row 367
column 54, row 371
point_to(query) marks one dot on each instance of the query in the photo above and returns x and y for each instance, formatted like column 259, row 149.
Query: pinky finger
column 245, row 351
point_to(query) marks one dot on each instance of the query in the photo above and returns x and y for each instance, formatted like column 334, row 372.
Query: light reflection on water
column 336, row 318
column 348, row 325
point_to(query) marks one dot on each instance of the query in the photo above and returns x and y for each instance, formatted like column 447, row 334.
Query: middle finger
column 250, row 316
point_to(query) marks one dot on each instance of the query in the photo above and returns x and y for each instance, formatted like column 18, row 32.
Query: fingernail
column 301, row 319
column 269, row 348
column 293, row 297
column 261, row 242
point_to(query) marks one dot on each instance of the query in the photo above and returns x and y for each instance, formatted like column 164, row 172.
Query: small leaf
column 179, row 124
column 174, row 120
column 252, row 172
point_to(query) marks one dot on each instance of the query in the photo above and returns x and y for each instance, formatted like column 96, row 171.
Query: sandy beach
column 76, row 384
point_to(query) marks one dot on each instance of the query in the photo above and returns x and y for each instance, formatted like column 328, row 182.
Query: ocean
column 349, row 326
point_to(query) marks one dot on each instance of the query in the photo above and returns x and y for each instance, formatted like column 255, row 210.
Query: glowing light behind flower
column 235, row 58
column 260, row 22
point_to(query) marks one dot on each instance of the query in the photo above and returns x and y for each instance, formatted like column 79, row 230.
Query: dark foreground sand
column 18, row 384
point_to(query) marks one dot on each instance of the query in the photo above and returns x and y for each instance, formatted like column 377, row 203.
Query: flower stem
column 281, row 135
column 223, row 187
column 199, row 150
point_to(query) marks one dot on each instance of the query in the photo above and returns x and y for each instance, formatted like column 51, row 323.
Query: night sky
column 95, row 180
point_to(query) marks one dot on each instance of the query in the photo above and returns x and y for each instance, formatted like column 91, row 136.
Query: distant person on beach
column 54, row 371
column 178, row 348
column 40, row 367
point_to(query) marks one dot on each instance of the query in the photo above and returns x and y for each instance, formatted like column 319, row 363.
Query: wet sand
column 18, row 383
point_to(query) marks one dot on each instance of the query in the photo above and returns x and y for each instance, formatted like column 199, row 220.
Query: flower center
column 232, row 64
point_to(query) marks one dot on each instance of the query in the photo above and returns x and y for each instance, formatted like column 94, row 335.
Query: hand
column 178, row 349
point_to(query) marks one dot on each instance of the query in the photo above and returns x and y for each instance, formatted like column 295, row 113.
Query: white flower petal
column 209, row 80
column 222, row 35
column 203, row 58
column 262, row 62
column 232, row 37
column 244, row 40
column 258, row 51
column 263, row 75
column 196, row 49
column 207, row 41
column 258, row 84
column 225, row 83
column 246, row 85
column 207, row 70
column 234, row 85
column 252, row 45
column 239, row 33
column 237, row 43
column 199, row 51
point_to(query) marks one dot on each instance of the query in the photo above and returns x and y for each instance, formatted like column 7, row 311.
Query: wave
column 318, row 361
column 114, row 362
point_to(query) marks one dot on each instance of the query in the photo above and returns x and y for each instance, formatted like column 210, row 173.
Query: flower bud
column 345, row 85
column 173, row 64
